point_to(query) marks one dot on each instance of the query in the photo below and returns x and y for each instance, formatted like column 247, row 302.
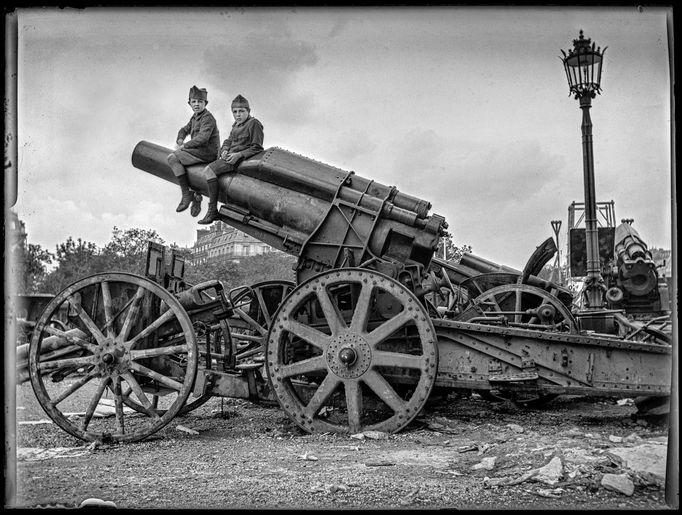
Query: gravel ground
column 253, row 457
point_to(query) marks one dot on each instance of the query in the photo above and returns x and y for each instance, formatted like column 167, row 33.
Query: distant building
column 17, row 231
column 221, row 241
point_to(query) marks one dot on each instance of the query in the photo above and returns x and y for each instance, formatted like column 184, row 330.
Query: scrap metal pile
column 372, row 325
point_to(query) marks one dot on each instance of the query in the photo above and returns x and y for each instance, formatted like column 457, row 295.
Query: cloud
column 263, row 65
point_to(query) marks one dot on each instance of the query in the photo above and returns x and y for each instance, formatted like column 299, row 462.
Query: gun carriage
column 373, row 324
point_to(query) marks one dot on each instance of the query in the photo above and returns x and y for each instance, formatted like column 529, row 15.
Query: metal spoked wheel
column 253, row 307
column 351, row 350
column 128, row 334
column 525, row 306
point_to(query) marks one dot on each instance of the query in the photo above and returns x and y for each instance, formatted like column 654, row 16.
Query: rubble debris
column 38, row 454
column 33, row 422
column 554, row 493
column 485, row 464
column 308, row 457
column 327, row 488
column 187, row 430
column 375, row 435
column 551, row 473
column 516, row 428
column 615, row 439
column 467, row 448
column 94, row 502
column 646, row 459
column 625, row 402
column 632, row 438
column 620, row 483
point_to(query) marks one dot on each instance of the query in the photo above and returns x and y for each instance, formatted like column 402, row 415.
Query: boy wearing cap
column 245, row 140
column 202, row 147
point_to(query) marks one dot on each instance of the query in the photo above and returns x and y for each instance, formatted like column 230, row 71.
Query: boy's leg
column 211, row 173
column 177, row 161
column 181, row 174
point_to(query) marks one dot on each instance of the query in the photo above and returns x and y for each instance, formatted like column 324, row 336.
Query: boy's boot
column 196, row 205
column 212, row 211
column 187, row 195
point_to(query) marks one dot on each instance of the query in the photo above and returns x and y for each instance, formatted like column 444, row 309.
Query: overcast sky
column 465, row 107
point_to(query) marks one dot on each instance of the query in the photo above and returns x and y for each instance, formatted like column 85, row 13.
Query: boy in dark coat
column 245, row 140
column 202, row 147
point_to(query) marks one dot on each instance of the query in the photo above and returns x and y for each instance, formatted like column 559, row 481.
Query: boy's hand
column 223, row 155
column 178, row 144
column 233, row 158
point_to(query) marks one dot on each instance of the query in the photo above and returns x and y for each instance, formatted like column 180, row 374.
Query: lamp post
column 583, row 66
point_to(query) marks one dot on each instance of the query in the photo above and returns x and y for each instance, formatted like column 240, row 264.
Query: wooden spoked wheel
column 129, row 335
column 351, row 350
column 525, row 306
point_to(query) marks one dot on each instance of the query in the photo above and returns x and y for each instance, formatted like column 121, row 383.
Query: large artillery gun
column 358, row 342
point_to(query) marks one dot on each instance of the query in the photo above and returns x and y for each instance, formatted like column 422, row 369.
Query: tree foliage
column 448, row 251
column 248, row 271
column 30, row 267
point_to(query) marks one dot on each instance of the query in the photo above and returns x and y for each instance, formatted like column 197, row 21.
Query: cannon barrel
column 326, row 216
column 636, row 267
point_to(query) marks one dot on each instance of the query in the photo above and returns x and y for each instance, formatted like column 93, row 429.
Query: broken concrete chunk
column 515, row 427
column 375, row 435
column 187, row 430
column 620, row 483
column 485, row 464
column 551, row 473
column 615, row 439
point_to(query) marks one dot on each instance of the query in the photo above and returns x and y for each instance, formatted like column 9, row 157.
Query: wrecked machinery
column 372, row 326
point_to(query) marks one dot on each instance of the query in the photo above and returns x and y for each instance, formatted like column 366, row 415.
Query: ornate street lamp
column 583, row 66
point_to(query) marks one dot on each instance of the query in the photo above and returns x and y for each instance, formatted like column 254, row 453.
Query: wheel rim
column 362, row 344
column 126, row 330
column 527, row 306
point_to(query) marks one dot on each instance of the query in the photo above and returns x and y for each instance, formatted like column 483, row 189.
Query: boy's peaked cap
column 198, row 93
column 240, row 101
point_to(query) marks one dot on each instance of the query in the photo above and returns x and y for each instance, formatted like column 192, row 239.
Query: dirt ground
column 462, row 452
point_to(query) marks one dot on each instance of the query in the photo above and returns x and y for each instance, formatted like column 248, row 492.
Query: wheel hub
column 349, row 356
column 112, row 356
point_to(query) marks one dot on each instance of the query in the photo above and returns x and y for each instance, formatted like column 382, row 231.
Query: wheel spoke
column 70, row 338
column 90, row 411
column 303, row 367
column 73, row 388
column 140, row 394
column 307, row 333
column 46, row 366
column 118, row 403
column 334, row 320
column 396, row 359
column 354, row 405
column 106, row 302
column 167, row 381
column 323, row 392
column 384, row 390
column 362, row 309
column 263, row 307
column 132, row 314
column 158, row 351
column 389, row 327
column 517, row 306
column 151, row 328
column 251, row 321
column 94, row 330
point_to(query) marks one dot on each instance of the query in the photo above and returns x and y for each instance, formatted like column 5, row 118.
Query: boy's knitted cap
column 240, row 101
column 198, row 93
